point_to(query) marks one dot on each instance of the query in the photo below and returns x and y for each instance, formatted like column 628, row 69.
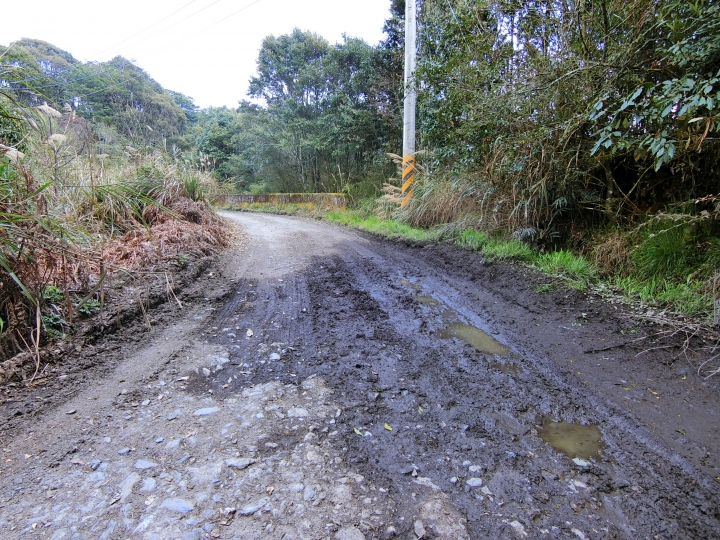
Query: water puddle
column 508, row 369
column 575, row 440
column 428, row 301
column 411, row 285
column 469, row 334
column 474, row 337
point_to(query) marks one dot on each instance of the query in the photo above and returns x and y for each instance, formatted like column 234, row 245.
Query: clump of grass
column 383, row 227
column 471, row 239
column 566, row 264
column 668, row 254
column 507, row 250
column 690, row 298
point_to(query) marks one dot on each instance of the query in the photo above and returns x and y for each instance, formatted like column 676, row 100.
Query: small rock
column 486, row 491
column 581, row 462
column 94, row 464
column 71, row 411
column 145, row 403
column 239, row 463
column 148, row 485
column 143, row 464
column 124, row 451
column 178, row 505
column 309, row 493
column 250, row 509
column 474, row 482
column 274, row 356
column 207, row 411
column 578, row 533
column 518, row 528
column 475, row 468
column 172, row 445
column 206, row 372
column 419, row 529
column 297, row 412
column 349, row 533
column 159, row 439
column 173, row 415
column 454, row 480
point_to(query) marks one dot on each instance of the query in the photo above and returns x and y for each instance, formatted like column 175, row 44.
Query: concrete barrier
column 335, row 200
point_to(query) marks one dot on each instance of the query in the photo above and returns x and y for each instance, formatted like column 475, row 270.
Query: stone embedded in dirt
column 349, row 533
column 145, row 403
column 518, row 528
column 297, row 412
column 425, row 481
column 206, row 372
column 71, row 411
column 250, row 509
column 178, row 505
column 274, row 356
column 174, row 415
column 144, row 464
column 172, row 445
column 474, row 482
column 578, row 533
column 419, row 529
column 206, row 411
column 127, row 485
column 239, row 463
column 475, row 468
column 124, row 451
column 581, row 462
column 159, row 439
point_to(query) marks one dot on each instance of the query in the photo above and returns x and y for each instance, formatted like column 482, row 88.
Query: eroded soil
column 326, row 384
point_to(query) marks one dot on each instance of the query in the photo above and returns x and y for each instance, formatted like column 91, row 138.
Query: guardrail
column 335, row 200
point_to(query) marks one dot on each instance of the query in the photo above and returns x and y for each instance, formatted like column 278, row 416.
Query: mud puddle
column 473, row 336
column 574, row 440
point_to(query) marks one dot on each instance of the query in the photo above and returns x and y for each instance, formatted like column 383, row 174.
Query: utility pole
column 408, row 161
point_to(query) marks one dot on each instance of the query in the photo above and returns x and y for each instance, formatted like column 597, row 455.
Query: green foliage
column 471, row 239
column 668, row 253
column 89, row 307
column 566, row 264
column 383, row 227
column 52, row 294
column 507, row 250
column 558, row 112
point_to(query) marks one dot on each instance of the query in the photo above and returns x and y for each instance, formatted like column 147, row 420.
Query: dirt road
column 319, row 383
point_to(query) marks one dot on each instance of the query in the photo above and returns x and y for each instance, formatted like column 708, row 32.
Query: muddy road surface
column 326, row 384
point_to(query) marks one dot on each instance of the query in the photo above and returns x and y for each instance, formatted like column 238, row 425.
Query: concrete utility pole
column 408, row 175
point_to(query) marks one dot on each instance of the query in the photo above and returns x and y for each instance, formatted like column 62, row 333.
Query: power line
column 145, row 29
column 168, row 27
column 203, row 29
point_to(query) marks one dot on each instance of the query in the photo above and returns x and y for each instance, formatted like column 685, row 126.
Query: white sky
column 208, row 55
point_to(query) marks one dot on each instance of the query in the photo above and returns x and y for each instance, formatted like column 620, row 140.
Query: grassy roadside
column 692, row 298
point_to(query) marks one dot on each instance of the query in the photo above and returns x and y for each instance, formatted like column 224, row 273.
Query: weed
column 546, row 288
column 510, row 250
column 52, row 294
column 89, row 308
column 567, row 264
column 667, row 254
column 472, row 239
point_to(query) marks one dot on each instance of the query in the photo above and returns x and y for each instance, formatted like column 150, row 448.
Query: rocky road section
column 331, row 385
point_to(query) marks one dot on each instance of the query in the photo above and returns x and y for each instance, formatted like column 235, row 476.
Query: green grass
column 566, row 264
column 688, row 298
column 383, row 227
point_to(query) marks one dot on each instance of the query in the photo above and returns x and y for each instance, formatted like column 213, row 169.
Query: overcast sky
column 205, row 49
